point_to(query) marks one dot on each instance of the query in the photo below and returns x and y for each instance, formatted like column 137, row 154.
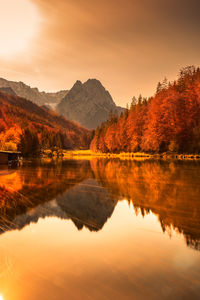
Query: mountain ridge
column 33, row 94
column 88, row 103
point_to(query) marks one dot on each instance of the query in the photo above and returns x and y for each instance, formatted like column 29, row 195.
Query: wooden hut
column 9, row 157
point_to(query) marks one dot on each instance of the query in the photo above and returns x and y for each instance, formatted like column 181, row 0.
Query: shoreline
column 128, row 155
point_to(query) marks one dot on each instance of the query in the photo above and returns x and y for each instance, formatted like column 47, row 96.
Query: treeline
column 169, row 121
column 26, row 127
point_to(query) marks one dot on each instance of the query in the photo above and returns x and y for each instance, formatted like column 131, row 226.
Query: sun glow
column 1, row 297
column 19, row 23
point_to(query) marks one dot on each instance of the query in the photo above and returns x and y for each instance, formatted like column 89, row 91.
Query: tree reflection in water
column 87, row 192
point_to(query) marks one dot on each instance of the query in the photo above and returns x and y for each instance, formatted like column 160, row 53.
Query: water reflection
column 171, row 190
column 87, row 192
column 35, row 185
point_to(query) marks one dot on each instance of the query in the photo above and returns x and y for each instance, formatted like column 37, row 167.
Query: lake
column 100, row 229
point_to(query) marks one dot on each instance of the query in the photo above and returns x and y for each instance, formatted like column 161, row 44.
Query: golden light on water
column 19, row 23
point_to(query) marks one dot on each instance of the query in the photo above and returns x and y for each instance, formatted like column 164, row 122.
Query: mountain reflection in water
column 87, row 192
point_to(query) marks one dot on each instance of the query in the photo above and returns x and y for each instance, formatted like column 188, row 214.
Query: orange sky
column 127, row 44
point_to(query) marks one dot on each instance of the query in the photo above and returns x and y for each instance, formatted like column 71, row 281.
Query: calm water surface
column 100, row 229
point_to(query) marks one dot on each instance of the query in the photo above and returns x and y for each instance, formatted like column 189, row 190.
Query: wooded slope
column 30, row 128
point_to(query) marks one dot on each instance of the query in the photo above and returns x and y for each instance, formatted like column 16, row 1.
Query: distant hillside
column 88, row 104
column 30, row 128
column 32, row 94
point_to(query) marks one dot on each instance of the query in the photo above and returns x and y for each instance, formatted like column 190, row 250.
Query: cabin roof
column 12, row 152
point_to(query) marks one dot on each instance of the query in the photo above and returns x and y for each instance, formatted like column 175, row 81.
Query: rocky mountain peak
column 77, row 84
column 88, row 104
column 94, row 82
column 77, row 88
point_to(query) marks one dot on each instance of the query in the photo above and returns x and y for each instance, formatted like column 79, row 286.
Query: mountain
column 27, row 125
column 32, row 94
column 88, row 104
column 7, row 90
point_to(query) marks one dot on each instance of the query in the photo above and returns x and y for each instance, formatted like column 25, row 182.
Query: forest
column 167, row 122
column 28, row 128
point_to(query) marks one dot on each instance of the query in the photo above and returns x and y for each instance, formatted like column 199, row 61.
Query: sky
column 129, row 45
